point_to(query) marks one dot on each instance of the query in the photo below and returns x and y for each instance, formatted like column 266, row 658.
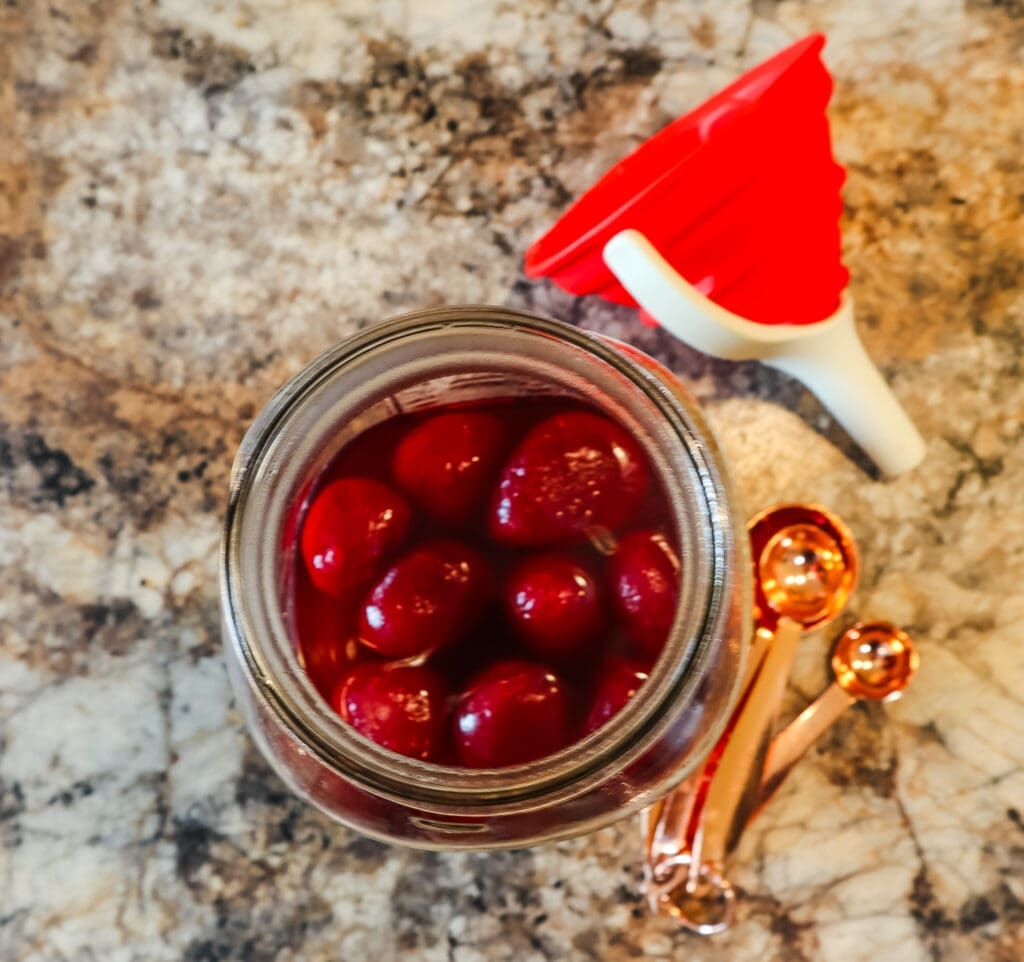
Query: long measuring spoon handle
column 729, row 798
column 797, row 738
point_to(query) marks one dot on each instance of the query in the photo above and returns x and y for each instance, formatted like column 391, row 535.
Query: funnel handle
column 675, row 303
column 827, row 357
column 833, row 364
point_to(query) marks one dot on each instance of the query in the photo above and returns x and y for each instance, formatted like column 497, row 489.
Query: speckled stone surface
column 196, row 198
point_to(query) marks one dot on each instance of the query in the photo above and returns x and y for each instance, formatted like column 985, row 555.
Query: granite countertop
column 196, row 198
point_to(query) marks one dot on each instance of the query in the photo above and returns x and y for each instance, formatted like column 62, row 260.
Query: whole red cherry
column 397, row 706
column 350, row 528
column 324, row 626
column 619, row 680
column 644, row 574
column 553, row 603
column 572, row 473
column 447, row 463
column 324, row 659
column 427, row 599
column 511, row 713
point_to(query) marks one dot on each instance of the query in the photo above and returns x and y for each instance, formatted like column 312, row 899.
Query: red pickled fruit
column 324, row 660
column 447, row 463
column 571, row 473
column 351, row 527
column 513, row 712
column 429, row 598
column 619, row 680
column 644, row 574
column 399, row 706
column 324, row 627
column 553, row 604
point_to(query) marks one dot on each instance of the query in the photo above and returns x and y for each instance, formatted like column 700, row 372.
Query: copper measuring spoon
column 872, row 661
column 805, row 568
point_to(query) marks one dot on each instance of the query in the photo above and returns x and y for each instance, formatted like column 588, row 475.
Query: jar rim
column 263, row 644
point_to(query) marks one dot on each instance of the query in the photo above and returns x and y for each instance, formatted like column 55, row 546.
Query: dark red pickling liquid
column 456, row 592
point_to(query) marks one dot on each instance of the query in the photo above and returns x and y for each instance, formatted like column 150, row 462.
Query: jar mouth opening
column 379, row 371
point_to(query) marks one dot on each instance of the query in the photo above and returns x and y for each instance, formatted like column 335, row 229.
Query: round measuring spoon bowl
column 802, row 572
column 874, row 660
column 805, row 565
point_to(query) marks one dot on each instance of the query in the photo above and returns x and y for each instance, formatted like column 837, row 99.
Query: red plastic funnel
column 741, row 196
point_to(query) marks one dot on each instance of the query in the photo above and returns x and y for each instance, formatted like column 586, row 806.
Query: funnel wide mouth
column 745, row 186
column 640, row 173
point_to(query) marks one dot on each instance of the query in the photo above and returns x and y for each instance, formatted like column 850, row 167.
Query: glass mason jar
column 420, row 361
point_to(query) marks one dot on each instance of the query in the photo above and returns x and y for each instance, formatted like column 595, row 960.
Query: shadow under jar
column 425, row 361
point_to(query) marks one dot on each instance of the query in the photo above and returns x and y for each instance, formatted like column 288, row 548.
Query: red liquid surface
column 491, row 621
